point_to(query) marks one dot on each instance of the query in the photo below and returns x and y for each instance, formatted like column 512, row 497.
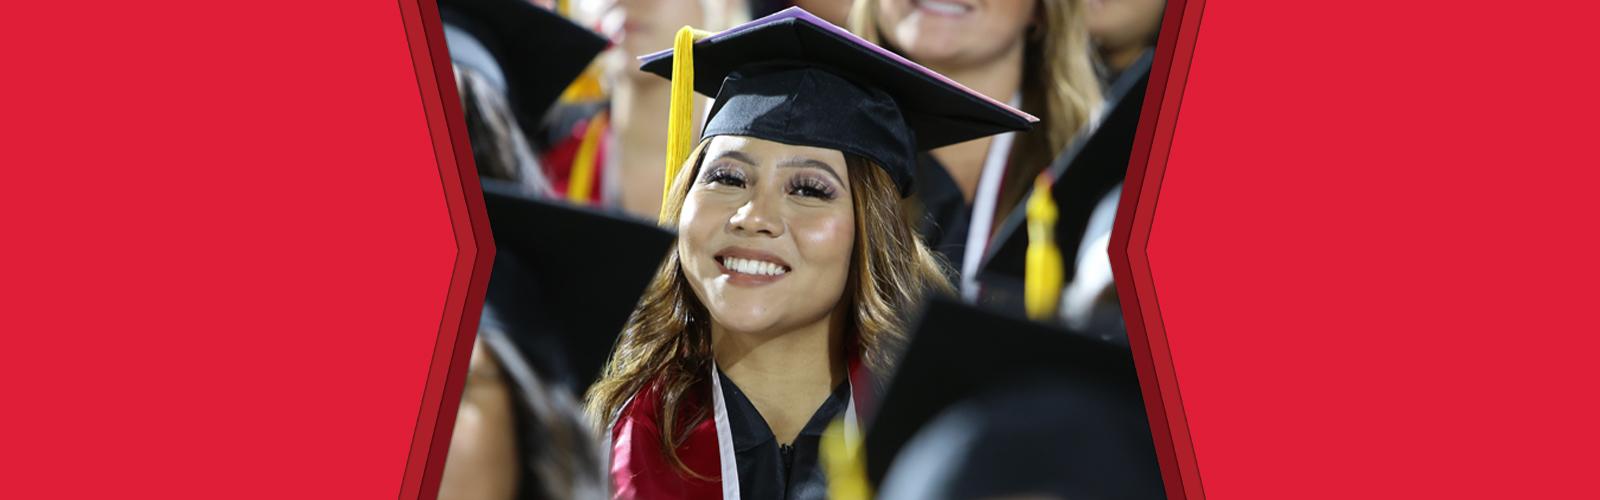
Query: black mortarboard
column 538, row 51
column 565, row 279
column 1088, row 170
column 1045, row 438
column 793, row 78
column 948, row 363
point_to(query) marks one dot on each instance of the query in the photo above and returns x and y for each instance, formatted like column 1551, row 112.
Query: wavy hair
column 1059, row 85
column 666, row 343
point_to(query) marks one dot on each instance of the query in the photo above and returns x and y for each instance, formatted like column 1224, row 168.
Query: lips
column 943, row 7
column 751, row 267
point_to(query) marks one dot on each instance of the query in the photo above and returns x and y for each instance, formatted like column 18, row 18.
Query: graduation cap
column 1088, row 170
column 946, row 366
column 793, row 78
column 1040, row 439
column 537, row 51
column 565, row 279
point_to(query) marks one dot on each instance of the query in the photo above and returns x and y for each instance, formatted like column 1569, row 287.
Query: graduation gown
column 768, row 469
column 945, row 212
column 732, row 448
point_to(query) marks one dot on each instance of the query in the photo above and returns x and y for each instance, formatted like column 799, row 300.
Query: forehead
column 767, row 152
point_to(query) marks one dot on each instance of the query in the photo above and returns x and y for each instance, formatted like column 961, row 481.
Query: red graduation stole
column 639, row 469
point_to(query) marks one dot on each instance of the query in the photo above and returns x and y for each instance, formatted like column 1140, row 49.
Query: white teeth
column 943, row 7
column 755, row 267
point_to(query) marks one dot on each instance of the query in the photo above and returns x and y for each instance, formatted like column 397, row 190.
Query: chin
column 745, row 320
column 931, row 46
column 743, row 314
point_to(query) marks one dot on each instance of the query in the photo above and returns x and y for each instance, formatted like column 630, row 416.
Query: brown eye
column 811, row 188
column 725, row 176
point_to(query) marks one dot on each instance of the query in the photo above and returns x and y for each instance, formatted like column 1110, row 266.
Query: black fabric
column 539, row 51
column 780, row 102
column 946, row 215
column 1047, row 438
column 766, row 469
column 945, row 365
column 1082, row 176
column 566, row 278
column 767, row 76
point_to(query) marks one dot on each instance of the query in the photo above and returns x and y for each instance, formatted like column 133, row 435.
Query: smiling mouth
column 942, row 7
column 752, row 267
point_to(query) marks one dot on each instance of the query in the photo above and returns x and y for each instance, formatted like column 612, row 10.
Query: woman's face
column 766, row 233
column 955, row 33
column 482, row 463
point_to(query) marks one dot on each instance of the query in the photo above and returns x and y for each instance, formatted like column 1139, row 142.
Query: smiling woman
column 794, row 266
column 768, row 229
column 1032, row 53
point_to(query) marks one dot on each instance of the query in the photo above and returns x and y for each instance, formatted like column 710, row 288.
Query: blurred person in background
column 1124, row 34
column 495, row 131
column 836, row 12
column 517, row 435
column 1034, row 54
column 608, row 152
column 833, row 11
column 1123, row 31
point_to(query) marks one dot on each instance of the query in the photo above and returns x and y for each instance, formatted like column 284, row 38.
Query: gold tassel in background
column 583, row 163
column 1042, row 279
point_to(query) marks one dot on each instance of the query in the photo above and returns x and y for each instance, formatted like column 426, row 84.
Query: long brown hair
column 1058, row 85
column 667, row 341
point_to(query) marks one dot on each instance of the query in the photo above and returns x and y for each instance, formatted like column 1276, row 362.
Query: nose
column 758, row 217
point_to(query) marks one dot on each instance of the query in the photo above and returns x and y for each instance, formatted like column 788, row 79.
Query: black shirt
column 768, row 470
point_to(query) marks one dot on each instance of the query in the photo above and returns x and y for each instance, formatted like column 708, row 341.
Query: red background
column 237, row 250
column 1357, row 249
column 1371, row 250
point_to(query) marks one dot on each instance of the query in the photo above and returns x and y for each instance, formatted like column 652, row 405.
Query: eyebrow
column 810, row 163
column 735, row 156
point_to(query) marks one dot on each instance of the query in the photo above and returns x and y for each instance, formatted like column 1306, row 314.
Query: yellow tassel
column 564, row 8
column 583, row 163
column 680, row 118
column 844, row 465
column 1042, row 279
column 586, row 88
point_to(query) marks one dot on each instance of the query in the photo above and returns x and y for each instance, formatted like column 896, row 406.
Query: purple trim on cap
column 801, row 15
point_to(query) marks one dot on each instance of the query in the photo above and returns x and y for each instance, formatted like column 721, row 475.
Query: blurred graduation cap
column 536, row 52
column 1088, row 170
column 1085, row 387
column 565, row 280
column 793, row 78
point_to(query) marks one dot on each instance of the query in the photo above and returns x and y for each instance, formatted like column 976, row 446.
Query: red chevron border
column 1131, row 266
column 475, row 249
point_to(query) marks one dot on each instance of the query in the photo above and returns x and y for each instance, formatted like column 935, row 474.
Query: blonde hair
column 667, row 341
column 1059, row 85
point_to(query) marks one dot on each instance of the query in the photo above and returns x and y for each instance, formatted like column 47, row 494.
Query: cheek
column 699, row 223
column 690, row 235
column 826, row 242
